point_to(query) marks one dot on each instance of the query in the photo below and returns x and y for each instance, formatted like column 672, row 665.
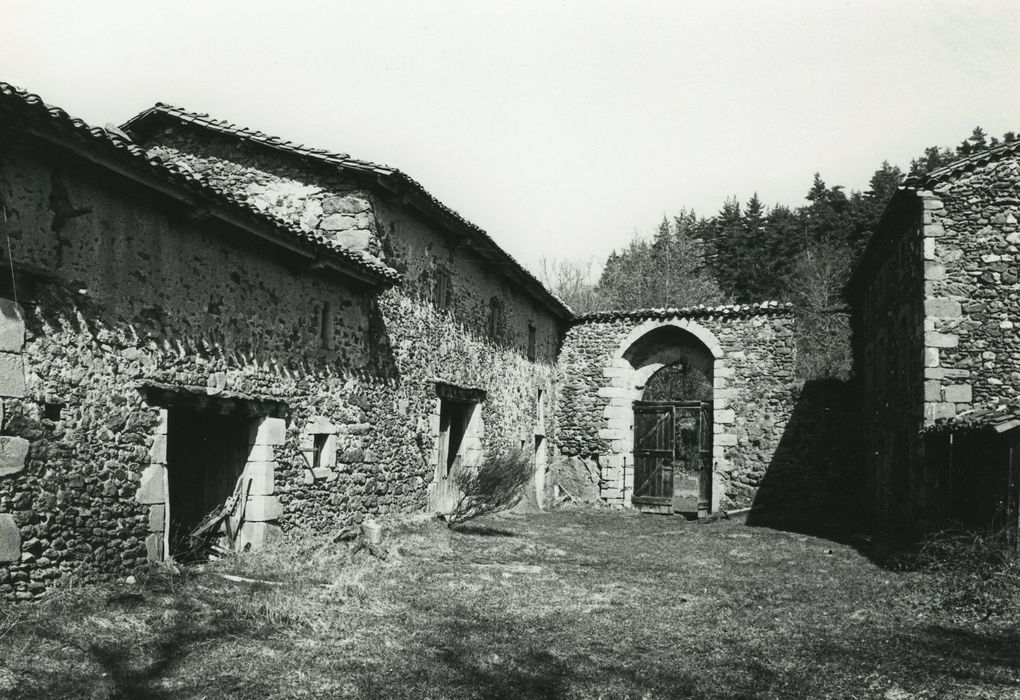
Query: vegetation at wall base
column 968, row 574
column 497, row 484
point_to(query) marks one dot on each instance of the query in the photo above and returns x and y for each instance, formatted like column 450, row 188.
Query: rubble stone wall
column 312, row 196
column 972, row 290
column 132, row 293
column 755, row 390
column 934, row 328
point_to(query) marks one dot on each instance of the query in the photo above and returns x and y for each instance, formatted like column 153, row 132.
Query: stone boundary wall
column 753, row 399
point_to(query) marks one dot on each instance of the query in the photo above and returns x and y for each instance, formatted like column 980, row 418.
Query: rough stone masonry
column 751, row 355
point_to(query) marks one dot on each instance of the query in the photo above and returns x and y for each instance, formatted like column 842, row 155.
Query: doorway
column 206, row 454
column 673, row 457
column 673, row 443
column 454, row 423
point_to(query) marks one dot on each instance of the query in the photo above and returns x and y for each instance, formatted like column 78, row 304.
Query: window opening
column 495, row 317
column 326, row 325
column 442, row 292
column 532, row 352
column 319, row 441
column 540, row 408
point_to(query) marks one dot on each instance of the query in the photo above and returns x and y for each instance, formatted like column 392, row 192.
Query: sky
column 561, row 127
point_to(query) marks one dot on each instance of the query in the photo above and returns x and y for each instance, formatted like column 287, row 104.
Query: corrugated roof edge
column 998, row 417
column 922, row 182
column 343, row 160
column 765, row 308
column 33, row 106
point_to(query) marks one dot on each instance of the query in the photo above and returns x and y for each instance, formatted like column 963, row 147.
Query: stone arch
column 629, row 370
column 706, row 336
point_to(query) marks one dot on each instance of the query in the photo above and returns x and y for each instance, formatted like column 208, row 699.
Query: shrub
column 496, row 485
column 970, row 574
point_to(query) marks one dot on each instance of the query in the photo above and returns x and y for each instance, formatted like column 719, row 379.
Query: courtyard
column 565, row 604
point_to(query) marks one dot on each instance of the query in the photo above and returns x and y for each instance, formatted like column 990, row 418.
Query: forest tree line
column 749, row 252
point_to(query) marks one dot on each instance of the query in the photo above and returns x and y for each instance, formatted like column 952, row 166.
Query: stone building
column 199, row 318
column 692, row 410
column 314, row 337
column 935, row 301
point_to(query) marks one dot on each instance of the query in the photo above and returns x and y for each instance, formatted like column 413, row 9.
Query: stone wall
column 424, row 338
column 306, row 193
column 888, row 339
column 934, row 303
column 751, row 352
column 972, row 292
column 134, row 300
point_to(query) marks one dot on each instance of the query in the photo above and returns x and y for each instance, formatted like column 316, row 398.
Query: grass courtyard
column 569, row 604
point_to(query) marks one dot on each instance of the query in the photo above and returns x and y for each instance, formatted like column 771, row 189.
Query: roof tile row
column 765, row 308
column 1000, row 418
column 964, row 164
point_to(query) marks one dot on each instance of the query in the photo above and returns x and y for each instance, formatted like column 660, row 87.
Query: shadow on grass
column 133, row 664
column 468, row 655
column 934, row 656
column 483, row 531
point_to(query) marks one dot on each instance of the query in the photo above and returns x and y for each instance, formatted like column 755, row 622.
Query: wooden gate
column 673, row 457
column 654, row 448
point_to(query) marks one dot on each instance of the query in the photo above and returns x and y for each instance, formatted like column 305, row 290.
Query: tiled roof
column 37, row 114
column 974, row 160
column 393, row 176
column 765, row 308
column 1000, row 418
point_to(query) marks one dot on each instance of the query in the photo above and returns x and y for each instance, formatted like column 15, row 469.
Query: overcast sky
column 560, row 127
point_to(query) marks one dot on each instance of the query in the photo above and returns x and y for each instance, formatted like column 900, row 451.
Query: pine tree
column 978, row 139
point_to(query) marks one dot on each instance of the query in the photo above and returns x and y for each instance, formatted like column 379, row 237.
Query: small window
column 495, row 317
column 319, row 448
column 319, row 441
column 532, row 342
column 442, row 291
column 326, row 325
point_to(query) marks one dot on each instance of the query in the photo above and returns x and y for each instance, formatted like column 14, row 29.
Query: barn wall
column 934, row 311
column 133, row 293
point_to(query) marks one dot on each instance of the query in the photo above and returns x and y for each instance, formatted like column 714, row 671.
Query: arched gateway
column 677, row 410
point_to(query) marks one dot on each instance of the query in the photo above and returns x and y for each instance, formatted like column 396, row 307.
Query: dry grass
column 554, row 605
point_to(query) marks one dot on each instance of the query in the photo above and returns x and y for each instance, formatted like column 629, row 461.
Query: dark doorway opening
column 454, row 420
column 206, row 453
